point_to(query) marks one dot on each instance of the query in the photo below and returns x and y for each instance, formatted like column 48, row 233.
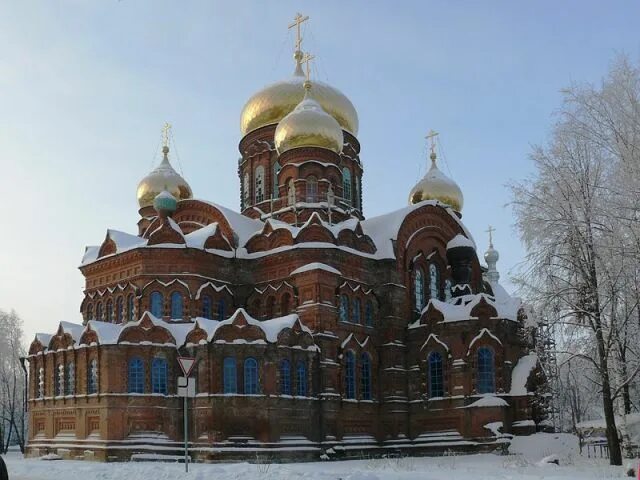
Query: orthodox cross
column 297, row 21
column 431, row 137
column 166, row 131
column 306, row 59
column 490, row 231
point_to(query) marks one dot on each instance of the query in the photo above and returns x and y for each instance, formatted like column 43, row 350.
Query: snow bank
column 540, row 445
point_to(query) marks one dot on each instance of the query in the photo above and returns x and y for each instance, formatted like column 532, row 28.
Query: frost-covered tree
column 12, row 384
column 579, row 219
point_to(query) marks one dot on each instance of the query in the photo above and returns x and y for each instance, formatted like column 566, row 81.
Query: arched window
column 368, row 313
column 271, row 302
column 276, row 170
column 365, row 376
column 350, row 375
column 40, row 382
column 259, row 183
column 59, row 390
column 99, row 312
column 291, row 192
column 434, row 281
column 159, row 375
column 157, row 304
column 356, row 200
column 447, row 290
column 92, row 377
column 176, row 305
column 301, row 379
column 435, row 378
column 119, row 309
column 207, row 307
column 130, row 309
column 221, row 309
column 230, row 378
column 418, row 287
column 284, row 304
column 246, row 187
column 109, row 311
column 344, row 308
column 346, row 184
column 312, row 189
column 486, row 371
column 89, row 312
column 357, row 308
column 70, row 385
column 250, row 376
column 285, row 377
column 136, row 375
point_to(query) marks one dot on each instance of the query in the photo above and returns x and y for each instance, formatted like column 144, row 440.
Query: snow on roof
column 521, row 372
column 108, row 333
column 43, row 338
column 460, row 241
column 506, row 305
column 197, row 238
column 74, row 329
column 459, row 308
column 271, row 328
column 244, row 226
column 316, row 266
column 488, row 401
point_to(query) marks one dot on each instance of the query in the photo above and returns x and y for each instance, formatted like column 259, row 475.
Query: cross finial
column 490, row 231
column 431, row 136
column 166, row 131
column 298, row 20
column 306, row 59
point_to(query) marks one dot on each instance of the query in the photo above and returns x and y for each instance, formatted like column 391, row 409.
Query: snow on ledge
column 316, row 266
column 488, row 401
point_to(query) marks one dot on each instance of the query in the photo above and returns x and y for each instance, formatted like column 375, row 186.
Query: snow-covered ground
column 524, row 463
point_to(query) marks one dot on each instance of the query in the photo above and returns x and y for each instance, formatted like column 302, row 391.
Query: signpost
column 186, row 389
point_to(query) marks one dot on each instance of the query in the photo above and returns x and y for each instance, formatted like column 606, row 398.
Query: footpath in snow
column 524, row 463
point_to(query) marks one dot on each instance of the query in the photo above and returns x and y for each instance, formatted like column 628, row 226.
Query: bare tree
column 12, row 389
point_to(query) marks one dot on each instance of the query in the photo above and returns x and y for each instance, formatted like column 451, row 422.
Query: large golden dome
column 162, row 178
column 435, row 185
column 274, row 102
column 308, row 125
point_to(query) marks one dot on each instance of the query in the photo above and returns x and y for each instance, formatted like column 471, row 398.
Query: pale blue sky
column 85, row 87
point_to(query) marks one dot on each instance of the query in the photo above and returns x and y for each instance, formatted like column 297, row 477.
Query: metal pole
column 186, row 435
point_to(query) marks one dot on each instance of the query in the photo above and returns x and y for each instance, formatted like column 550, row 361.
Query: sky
column 86, row 86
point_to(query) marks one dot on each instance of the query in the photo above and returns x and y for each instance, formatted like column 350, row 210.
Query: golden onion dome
column 308, row 125
column 435, row 185
column 274, row 102
column 162, row 178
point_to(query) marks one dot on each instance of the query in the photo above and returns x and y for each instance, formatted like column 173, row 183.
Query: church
column 317, row 333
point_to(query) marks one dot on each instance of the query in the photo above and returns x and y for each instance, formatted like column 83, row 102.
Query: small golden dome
column 162, row 178
column 308, row 125
column 274, row 102
column 435, row 185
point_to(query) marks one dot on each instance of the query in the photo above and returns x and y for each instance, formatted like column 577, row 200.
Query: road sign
column 186, row 364
column 186, row 387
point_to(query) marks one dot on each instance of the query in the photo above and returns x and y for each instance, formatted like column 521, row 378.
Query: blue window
column 92, row 377
column 250, row 376
column 207, row 307
column 350, row 375
column 301, row 379
column 344, row 308
column 221, row 308
column 176, row 305
column 346, row 184
column 285, row 377
column 130, row 309
column 486, row 371
column 71, row 380
column 59, row 387
column 435, row 376
column 434, row 281
column 109, row 311
column 157, row 304
column 356, row 311
column 99, row 311
column 418, row 287
column 447, row 290
column 119, row 310
column 368, row 314
column 159, row 376
column 230, row 378
column 365, row 376
column 136, row 375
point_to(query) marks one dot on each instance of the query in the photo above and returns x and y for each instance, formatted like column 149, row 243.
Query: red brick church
column 318, row 333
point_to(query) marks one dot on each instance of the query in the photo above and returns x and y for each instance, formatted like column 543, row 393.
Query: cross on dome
column 490, row 231
column 298, row 20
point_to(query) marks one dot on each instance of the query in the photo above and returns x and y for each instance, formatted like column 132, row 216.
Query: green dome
column 165, row 201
